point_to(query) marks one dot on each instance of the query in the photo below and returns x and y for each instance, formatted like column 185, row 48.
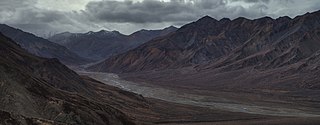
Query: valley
column 160, row 62
column 214, row 102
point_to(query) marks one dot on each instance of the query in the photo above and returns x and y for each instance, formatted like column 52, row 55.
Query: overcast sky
column 54, row 16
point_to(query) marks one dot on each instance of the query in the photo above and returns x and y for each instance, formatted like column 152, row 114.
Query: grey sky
column 54, row 16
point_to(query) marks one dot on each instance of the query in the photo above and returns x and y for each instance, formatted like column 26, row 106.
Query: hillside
column 42, row 47
column 103, row 44
column 35, row 90
column 262, row 43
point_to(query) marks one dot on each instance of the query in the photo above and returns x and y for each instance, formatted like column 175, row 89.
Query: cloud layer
column 43, row 17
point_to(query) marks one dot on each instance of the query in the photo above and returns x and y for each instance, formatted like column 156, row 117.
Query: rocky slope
column 42, row 47
column 103, row 44
column 263, row 43
column 35, row 90
column 264, row 57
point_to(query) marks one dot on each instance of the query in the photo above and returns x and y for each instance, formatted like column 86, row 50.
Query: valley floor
column 275, row 121
column 277, row 111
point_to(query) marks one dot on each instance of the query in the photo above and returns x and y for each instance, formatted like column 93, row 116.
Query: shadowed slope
column 42, row 47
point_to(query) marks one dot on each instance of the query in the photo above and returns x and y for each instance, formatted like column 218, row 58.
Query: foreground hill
column 103, row 44
column 42, row 47
column 36, row 90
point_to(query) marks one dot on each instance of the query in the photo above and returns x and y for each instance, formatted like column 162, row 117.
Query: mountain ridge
column 42, row 47
column 209, row 40
column 103, row 44
column 37, row 90
column 33, row 92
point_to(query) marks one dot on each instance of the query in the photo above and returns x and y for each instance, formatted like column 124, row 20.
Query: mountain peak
column 103, row 31
column 171, row 27
column 116, row 32
column 89, row 33
column 240, row 19
column 224, row 20
column 206, row 18
column 67, row 32
column 266, row 18
column 284, row 17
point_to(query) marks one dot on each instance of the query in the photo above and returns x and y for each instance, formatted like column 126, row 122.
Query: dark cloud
column 149, row 11
column 25, row 15
column 254, row 1
column 141, row 12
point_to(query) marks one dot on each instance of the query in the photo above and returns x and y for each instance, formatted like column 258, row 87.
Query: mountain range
column 42, row 47
column 261, row 43
column 36, row 90
column 103, row 44
column 266, row 56
column 227, row 71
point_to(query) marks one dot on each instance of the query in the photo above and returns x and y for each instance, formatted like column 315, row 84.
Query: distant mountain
column 42, row 47
column 143, row 35
column 103, row 44
column 238, row 43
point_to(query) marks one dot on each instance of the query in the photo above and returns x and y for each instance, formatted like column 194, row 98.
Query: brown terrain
column 103, row 44
column 245, row 72
column 37, row 90
column 278, row 56
column 42, row 47
column 263, row 43
column 261, row 62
